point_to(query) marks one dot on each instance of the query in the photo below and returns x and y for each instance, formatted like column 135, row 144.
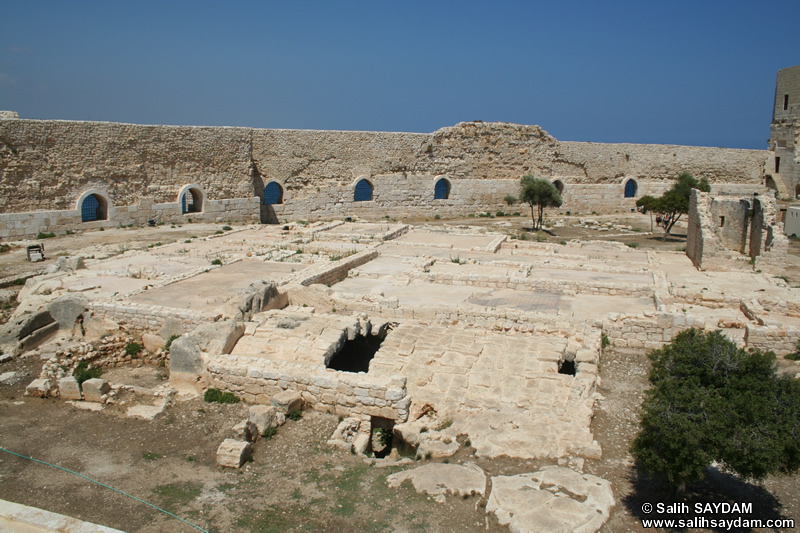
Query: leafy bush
column 226, row 228
column 133, row 349
column 295, row 415
column 41, row 235
column 4, row 248
column 82, row 372
column 713, row 402
column 270, row 432
column 632, row 244
column 216, row 261
column 604, row 342
column 384, row 436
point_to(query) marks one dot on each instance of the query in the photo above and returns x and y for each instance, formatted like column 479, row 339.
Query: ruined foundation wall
column 256, row 380
column 140, row 319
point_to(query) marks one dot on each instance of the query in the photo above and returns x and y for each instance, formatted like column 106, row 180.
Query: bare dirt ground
column 295, row 481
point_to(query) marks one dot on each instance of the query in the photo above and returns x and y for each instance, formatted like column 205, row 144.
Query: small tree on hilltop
column 674, row 202
column 711, row 401
column 539, row 193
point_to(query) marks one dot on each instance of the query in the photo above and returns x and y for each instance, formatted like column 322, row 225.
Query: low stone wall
column 142, row 319
column 781, row 340
column 256, row 380
column 647, row 332
column 22, row 225
column 535, row 284
column 335, row 271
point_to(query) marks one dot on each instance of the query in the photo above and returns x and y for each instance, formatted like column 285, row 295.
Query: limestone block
column 287, row 401
column 94, row 389
column 233, row 453
column 96, row 327
column 361, row 443
column 39, row 388
column 437, row 448
column 172, row 327
column 69, row 389
column 152, row 343
column 264, row 417
column 247, row 430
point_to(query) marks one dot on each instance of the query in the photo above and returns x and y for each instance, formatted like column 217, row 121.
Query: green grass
column 41, row 235
column 295, row 415
column 149, row 456
column 632, row 244
column 176, row 495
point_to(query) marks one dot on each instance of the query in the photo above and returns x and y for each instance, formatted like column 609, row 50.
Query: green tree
column 711, row 401
column 538, row 193
column 674, row 202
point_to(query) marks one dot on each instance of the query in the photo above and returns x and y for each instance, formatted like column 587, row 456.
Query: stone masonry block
column 287, row 401
column 93, row 389
column 264, row 417
column 39, row 388
column 233, row 453
column 69, row 389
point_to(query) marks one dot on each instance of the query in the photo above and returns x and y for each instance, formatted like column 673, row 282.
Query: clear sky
column 678, row 72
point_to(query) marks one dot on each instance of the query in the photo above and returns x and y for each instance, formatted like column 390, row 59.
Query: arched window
column 797, row 192
column 363, row 192
column 769, row 183
column 93, row 207
column 630, row 188
column 441, row 190
column 273, row 194
column 559, row 186
column 191, row 201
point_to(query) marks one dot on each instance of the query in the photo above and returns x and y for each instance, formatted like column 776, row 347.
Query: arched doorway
column 191, row 198
column 94, row 207
column 559, row 186
column 273, row 193
column 363, row 191
column 631, row 187
column 441, row 191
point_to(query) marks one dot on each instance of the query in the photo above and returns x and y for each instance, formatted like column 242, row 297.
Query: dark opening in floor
column 356, row 354
column 566, row 367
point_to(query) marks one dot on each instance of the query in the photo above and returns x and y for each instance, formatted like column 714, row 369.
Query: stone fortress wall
column 139, row 172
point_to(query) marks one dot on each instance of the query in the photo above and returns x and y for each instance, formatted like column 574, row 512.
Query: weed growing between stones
column 133, row 349
column 83, row 372
column 213, row 395
column 295, row 415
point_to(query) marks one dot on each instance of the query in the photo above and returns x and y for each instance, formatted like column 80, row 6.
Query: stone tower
column 784, row 140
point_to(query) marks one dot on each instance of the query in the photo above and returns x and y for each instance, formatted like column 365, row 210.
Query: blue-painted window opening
column 442, row 190
column 273, row 194
column 90, row 209
column 363, row 191
column 630, row 189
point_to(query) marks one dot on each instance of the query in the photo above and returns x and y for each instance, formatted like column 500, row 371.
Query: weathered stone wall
column 142, row 319
column 722, row 230
column 256, row 380
column 47, row 165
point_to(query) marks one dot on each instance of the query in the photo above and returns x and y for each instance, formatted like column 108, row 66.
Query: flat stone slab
column 69, row 389
column 553, row 499
column 439, row 480
column 17, row 517
column 147, row 412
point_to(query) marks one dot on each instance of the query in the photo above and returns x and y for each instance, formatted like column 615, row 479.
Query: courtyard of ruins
column 480, row 344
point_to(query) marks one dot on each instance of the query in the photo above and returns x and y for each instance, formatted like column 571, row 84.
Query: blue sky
column 680, row 72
